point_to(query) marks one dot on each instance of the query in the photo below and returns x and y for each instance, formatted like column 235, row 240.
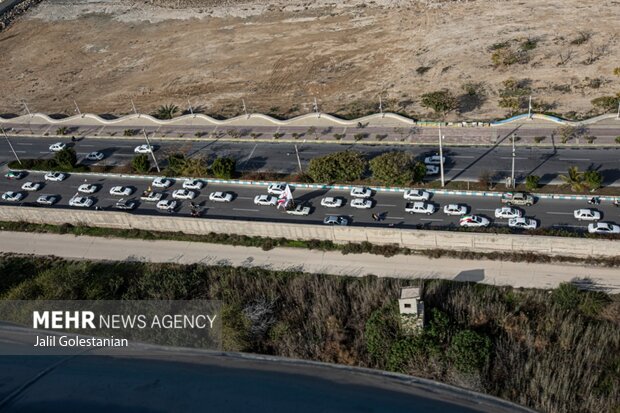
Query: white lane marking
column 20, row 151
column 574, row 159
column 86, row 146
column 510, row 157
column 463, row 156
column 45, row 152
column 559, row 213
column 485, row 209
column 28, row 144
column 394, row 218
column 245, row 197
column 431, row 219
column 242, row 209
column 386, row 205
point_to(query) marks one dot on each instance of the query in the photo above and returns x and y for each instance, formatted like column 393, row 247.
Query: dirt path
column 279, row 57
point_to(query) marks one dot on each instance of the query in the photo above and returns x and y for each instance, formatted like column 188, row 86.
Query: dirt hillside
column 280, row 55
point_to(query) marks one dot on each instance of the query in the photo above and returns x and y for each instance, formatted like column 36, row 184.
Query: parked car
column 523, row 223
column 603, row 228
column 361, row 203
column 143, row 149
column 55, row 176
column 474, row 221
column 455, row 209
column 361, row 192
column 335, row 220
column 31, row 186
column 12, row 196
column 183, row 194
column 265, row 200
column 195, row 184
column 150, row 196
column 300, row 209
column 81, row 201
column 416, row 195
column 47, row 200
column 167, row 204
column 332, row 202
column 420, row 208
column 508, row 213
column 94, row 156
column 517, row 198
column 586, row 214
column 220, row 197
column 161, row 182
column 434, row 160
column 57, row 147
column 432, row 170
column 276, row 189
column 125, row 205
column 15, row 175
column 88, row 188
column 121, row 191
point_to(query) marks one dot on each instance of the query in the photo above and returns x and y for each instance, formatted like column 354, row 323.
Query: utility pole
column 76, row 107
column 298, row 160
column 134, row 108
column 245, row 109
column 443, row 183
column 190, row 108
column 529, row 109
column 10, row 145
column 381, row 106
column 26, row 106
column 512, row 179
column 316, row 108
column 151, row 149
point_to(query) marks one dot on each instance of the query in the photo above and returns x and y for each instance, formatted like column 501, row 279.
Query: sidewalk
column 541, row 276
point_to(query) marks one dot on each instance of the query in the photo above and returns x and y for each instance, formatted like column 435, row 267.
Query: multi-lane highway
column 463, row 163
column 388, row 205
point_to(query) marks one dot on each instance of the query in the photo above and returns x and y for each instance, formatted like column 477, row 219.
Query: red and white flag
column 285, row 197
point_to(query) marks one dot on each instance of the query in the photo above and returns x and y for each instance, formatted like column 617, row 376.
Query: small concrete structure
column 411, row 310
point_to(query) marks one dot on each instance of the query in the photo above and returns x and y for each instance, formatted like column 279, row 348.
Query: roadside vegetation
column 490, row 339
column 63, row 161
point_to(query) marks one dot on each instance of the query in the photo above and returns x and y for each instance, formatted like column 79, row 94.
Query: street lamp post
column 26, row 106
column 316, row 108
column 381, row 106
column 298, row 160
column 10, row 145
column 134, row 108
column 191, row 110
column 529, row 109
column 151, row 149
column 443, row 183
column 513, row 163
column 245, row 109
column 76, row 107
column 618, row 110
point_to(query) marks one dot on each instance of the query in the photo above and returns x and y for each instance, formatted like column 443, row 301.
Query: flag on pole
column 285, row 197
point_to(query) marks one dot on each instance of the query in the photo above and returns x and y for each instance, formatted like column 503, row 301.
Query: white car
column 276, row 189
column 420, row 208
column 265, row 200
column 603, row 228
column 220, row 197
column 183, row 194
column 55, row 176
column 31, row 186
column 416, row 195
column 167, row 204
column 151, row 196
column 434, row 160
column 335, row 220
column 331, row 202
column 46, row 200
column 125, row 205
column 586, row 214
column 143, row 149
column 57, row 147
column 523, row 223
column 88, row 188
column 94, row 156
column 474, row 221
column 299, row 210
column 12, row 196
column 455, row 210
column 361, row 203
column 361, row 192
column 81, row 201
column 121, row 191
column 508, row 213
column 432, row 170
column 195, row 184
column 160, row 182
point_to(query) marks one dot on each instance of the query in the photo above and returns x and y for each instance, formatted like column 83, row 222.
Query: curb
column 483, row 194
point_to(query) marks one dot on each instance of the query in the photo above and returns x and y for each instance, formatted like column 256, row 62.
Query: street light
column 513, row 162
column 10, row 145
column 26, row 106
column 151, row 149
column 245, row 110
column 441, row 158
column 529, row 109
column 134, row 108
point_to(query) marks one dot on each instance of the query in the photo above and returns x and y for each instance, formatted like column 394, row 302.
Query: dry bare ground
column 280, row 55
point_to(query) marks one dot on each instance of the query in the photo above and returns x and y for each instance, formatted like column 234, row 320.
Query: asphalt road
column 463, row 163
column 549, row 213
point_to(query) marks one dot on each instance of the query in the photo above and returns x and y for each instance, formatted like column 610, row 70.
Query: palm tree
column 166, row 111
column 574, row 179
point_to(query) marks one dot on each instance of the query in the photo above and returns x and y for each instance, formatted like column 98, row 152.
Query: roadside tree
column 574, row 179
column 224, row 168
column 396, row 168
column 345, row 166
column 140, row 163
column 66, row 159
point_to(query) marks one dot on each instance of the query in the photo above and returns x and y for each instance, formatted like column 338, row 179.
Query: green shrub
column 224, row 168
column 531, row 182
column 593, row 179
column 606, row 103
column 140, row 163
column 539, row 139
column 66, row 159
column 380, row 333
column 441, row 101
column 393, row 168
column 345, row 166
column 469, row 351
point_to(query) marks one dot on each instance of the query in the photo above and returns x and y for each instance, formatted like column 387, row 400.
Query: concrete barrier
column 414, row 239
